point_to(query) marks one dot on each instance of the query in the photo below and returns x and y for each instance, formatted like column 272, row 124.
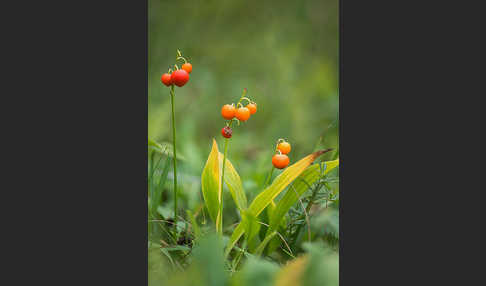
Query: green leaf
column 256, row 272
column 264, row 243
column 252, row 228
column 235, row 236
column 211, row 185
column 233, row 181
column 298, row 188
column 263, row 199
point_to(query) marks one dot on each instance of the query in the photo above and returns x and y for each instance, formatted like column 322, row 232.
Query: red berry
column 226, row 132
column 180, row 77
column 166, row 79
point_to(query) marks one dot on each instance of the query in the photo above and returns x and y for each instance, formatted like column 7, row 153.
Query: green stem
column 220, row 230
column 172, row 93
column 226, row 143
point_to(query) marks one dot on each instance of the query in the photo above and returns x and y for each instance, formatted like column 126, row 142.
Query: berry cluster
column 240, row 112
column 180, row 76
column 280, row 160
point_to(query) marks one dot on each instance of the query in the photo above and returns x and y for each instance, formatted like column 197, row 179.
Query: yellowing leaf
column 297, row 189
column 211, row 186
column 233, row 181
column 263, row 199
column 281, row 182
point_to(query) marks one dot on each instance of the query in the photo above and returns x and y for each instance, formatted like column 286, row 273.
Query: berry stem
column 172, row 93
column 242, row 97
column 226, row 144
column 219, row 226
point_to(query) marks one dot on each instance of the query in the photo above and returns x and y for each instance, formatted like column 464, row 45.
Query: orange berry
column 280, row 161
column 242, row 113
column 228, row 111
column 187, row 67
column 252, row 107
column 284, row 147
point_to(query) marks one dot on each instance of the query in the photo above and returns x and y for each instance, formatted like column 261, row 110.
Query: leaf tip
column 320, row 152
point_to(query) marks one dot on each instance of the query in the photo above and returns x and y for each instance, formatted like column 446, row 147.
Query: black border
column 75, row 111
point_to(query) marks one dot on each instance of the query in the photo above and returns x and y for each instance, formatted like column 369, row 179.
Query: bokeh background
column 284, row 52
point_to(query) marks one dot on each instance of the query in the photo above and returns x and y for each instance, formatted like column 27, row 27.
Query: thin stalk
column 226, row 143
column 172, row 94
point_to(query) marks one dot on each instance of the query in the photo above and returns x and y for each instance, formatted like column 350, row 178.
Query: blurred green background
column 284, row 52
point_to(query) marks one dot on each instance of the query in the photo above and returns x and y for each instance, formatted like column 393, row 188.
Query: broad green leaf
column 252, row 228
column 237, row 233
column 297, row 189
column 211, row 185
column 233, row 181
column 265, row 198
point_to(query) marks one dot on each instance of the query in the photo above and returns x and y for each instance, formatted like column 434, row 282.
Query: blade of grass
column 157, row 194
column 195, row 226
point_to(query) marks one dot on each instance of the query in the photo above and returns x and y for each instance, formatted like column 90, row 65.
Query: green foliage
column 211, row 185
column 256, row 272
column 156, row 189
column 317, row 266
column 288, row 60
column 296, row 190
column 322, row 268
column 233, row 182
column 270, row 193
